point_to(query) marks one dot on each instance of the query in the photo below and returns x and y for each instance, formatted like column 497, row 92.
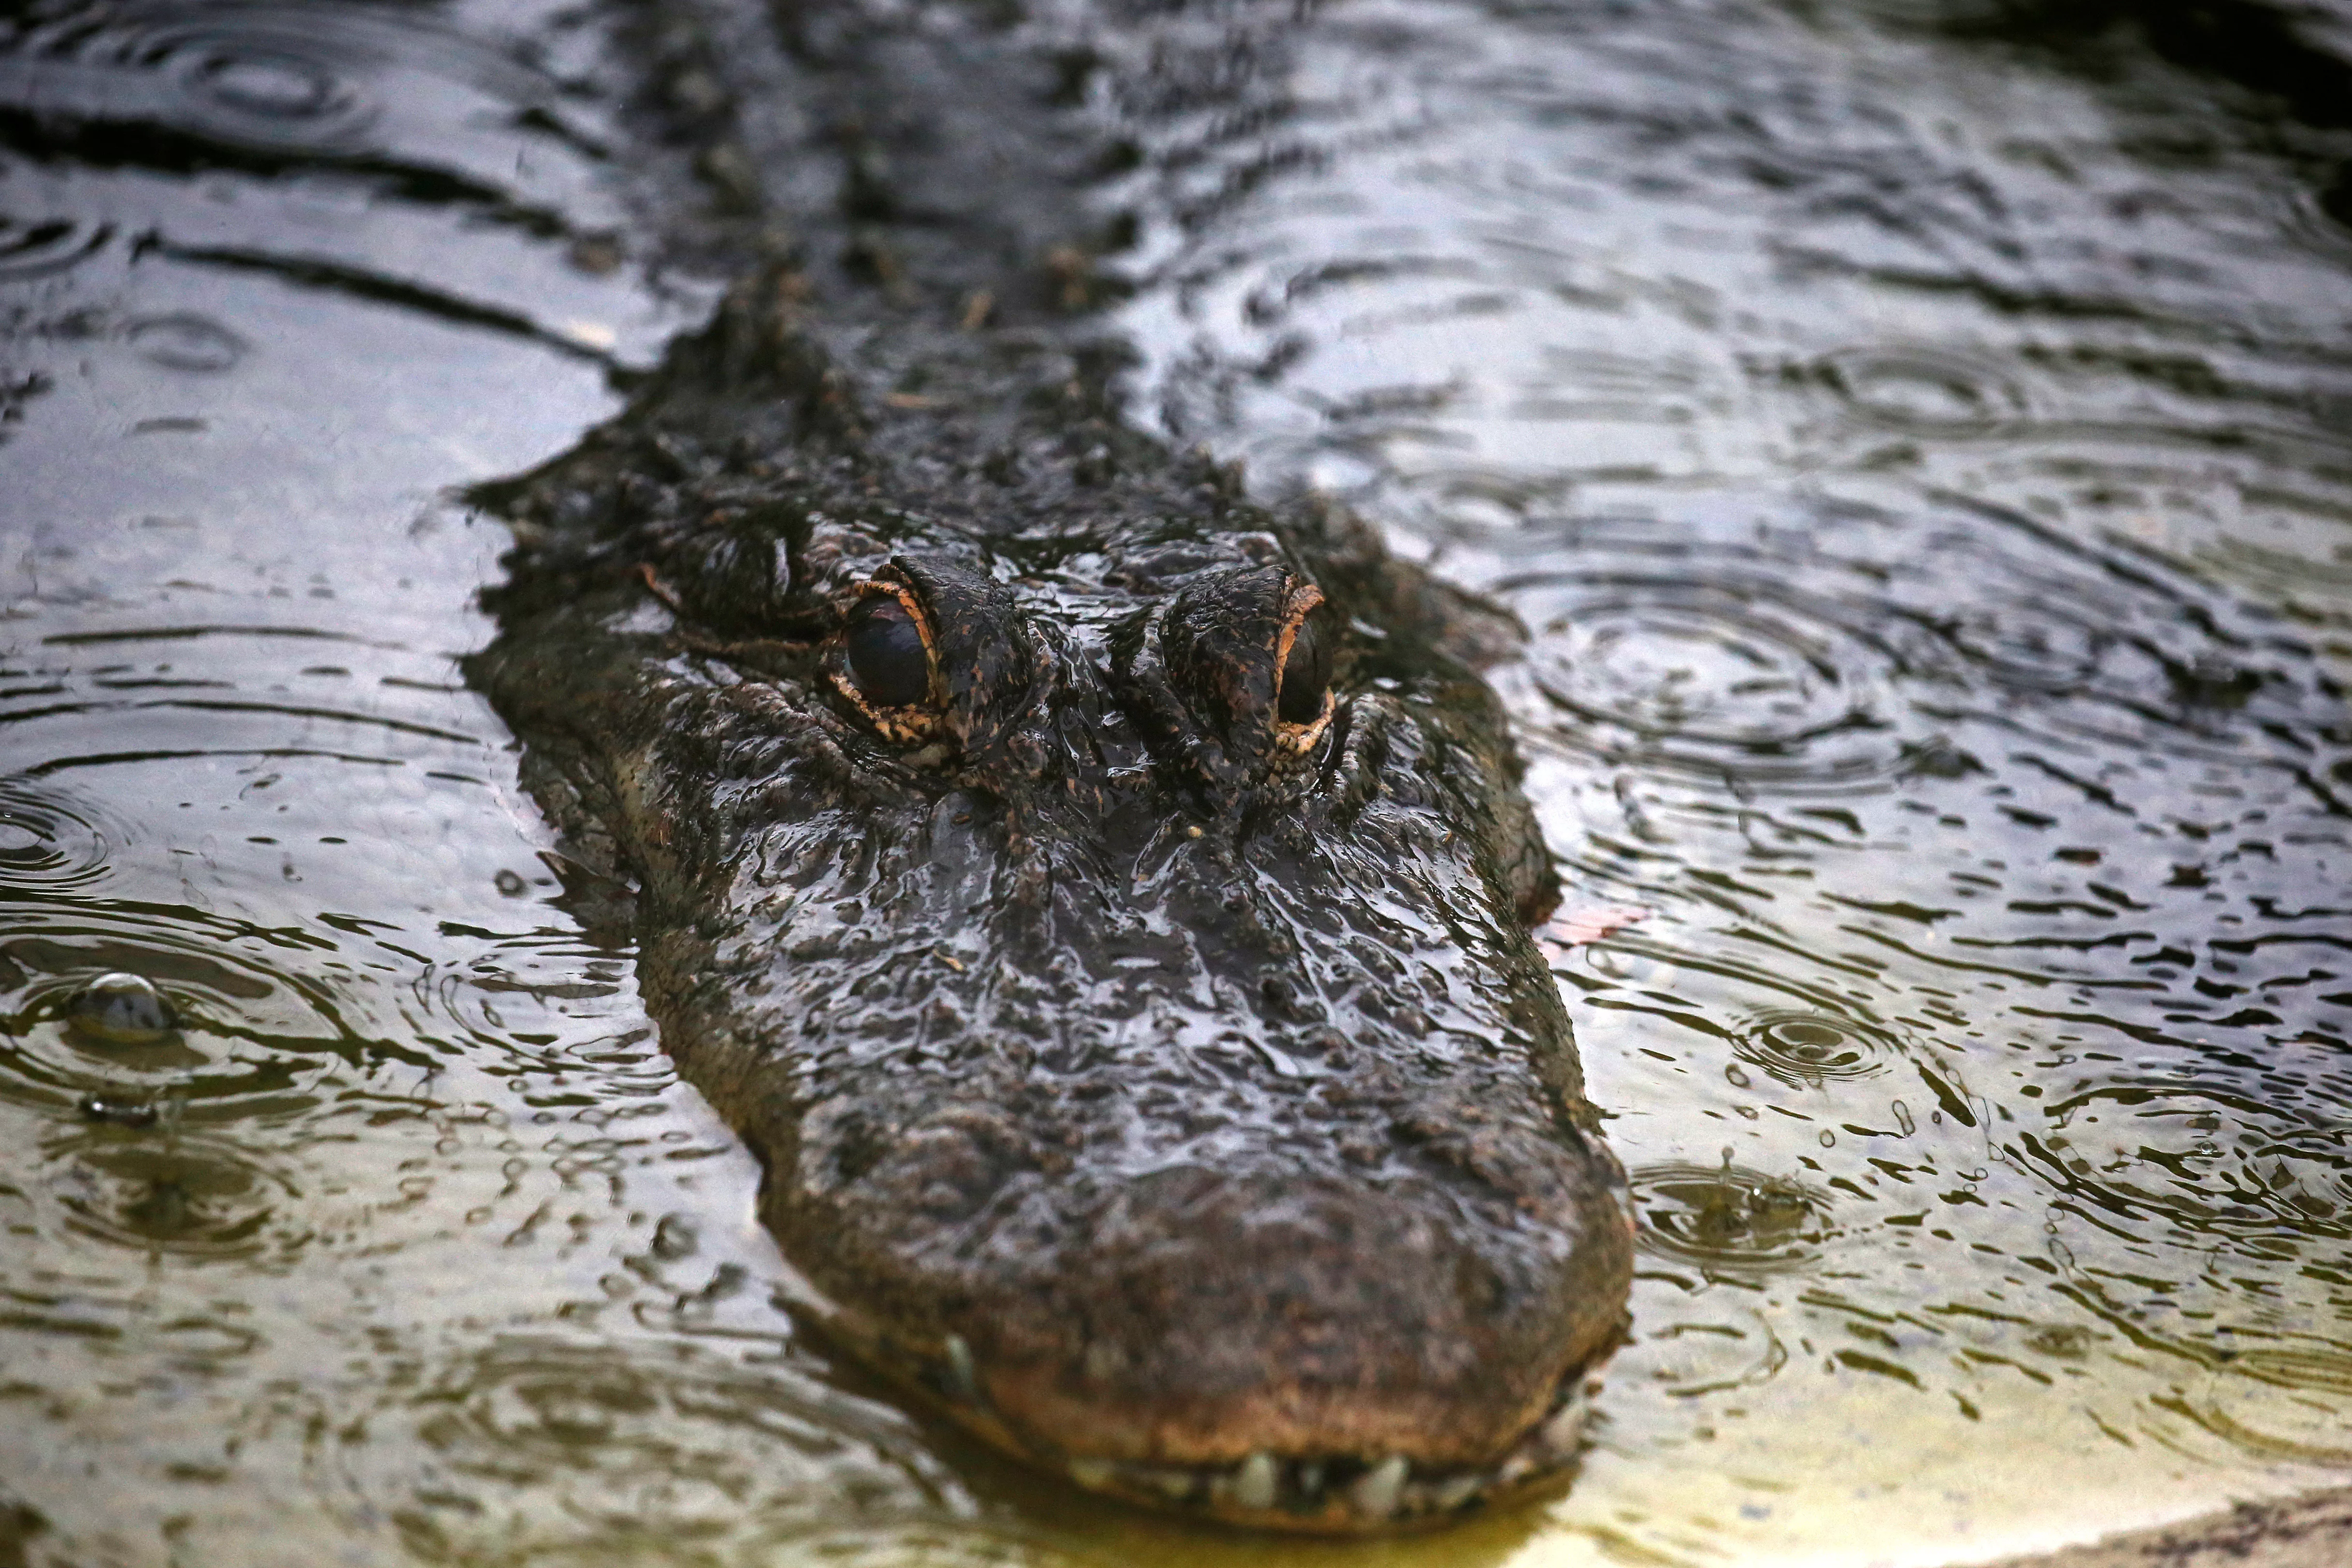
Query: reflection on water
column 1915, row 440
column 1914, row 433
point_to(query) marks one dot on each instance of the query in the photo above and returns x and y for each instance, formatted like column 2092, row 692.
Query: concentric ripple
column 1714, row 674
column 572, row 1447
column 33, row 246
column 2290, row 1402
column 252, row 1039
column 1921, row 390
column 50, row 840
column 184, row 341
column 239, row 76
column 196, row 1196
column 1727, row 1220
column 1806, row 1048
column 2035, row 645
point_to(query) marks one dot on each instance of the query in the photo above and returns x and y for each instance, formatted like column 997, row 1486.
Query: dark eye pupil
column 886, row 657
column 1306, row 676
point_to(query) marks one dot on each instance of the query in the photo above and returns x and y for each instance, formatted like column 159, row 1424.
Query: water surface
column 1914, row 434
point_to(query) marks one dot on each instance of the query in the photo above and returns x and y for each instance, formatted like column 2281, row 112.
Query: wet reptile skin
column 1150, row 1064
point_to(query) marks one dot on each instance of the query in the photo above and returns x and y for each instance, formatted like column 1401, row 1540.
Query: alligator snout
column 1389, row 1335
column 1253, row 1180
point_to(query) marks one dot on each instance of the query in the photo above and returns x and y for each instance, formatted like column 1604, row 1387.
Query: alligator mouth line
column 1323, row 1494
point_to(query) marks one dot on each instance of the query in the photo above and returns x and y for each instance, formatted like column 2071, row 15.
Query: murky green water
column 1919, row 435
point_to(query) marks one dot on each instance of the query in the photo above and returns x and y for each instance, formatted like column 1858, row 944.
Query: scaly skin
column 1149, row 1063
column 1171, row 1090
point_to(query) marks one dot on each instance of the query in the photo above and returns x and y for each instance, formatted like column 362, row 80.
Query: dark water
column 1918, row 435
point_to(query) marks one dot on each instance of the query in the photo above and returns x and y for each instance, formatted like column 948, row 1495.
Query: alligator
column 1101, row 900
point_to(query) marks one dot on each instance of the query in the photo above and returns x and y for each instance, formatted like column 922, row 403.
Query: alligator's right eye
column 1305, row 674
column 888, row 656
column 885, row 662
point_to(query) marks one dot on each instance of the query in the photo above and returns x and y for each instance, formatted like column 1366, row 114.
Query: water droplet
column 1729, row 1219
column 1927, row 391
column 123, row 1010
column 37, row 247
column 185, row 341
column 1808, row 1048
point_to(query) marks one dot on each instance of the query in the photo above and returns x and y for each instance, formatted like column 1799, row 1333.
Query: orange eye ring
column 885, row 662
column 1301, row 655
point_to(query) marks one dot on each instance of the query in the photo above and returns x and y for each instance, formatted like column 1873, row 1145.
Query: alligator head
column 1102, row 905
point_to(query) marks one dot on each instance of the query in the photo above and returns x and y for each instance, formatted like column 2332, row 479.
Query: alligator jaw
column 1314, row 1494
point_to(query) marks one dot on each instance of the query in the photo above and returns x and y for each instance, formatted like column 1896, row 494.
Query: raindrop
column 1727, row 1219
column 1924, row 391
column 188, row 1017
column 123, row 1010
column 1808, row 1048
column 185, row 341
column 37, row 247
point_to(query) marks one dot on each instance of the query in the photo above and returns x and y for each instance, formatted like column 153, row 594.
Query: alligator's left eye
column 886, row 662
column 1305, row 673
column 888, row 656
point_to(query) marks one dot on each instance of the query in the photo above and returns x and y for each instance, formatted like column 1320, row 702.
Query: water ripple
column 256, row 1037
column 201, row 1197
column 1805, row 1048
column 51, row 839
column 1728, row 1220
column 1923, row 391
column 580, row 1447
column 33, row 247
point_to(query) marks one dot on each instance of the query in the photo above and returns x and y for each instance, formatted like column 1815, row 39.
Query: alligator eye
column 888, row 656
column 886, row 665
column 1305, row 676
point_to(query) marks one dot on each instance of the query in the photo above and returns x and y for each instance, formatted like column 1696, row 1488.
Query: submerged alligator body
column 1101, row 901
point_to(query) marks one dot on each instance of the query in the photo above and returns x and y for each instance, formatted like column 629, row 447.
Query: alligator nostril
column 1245, row 1323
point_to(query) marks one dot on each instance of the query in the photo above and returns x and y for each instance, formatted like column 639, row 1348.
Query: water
column 1916, row 434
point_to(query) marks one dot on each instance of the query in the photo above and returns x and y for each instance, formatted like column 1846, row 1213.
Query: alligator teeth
column 1559, row 1433
column 1092, row 1474
column 1177, row 1484
column 1253, row 1483
column 1311, row 1479
column 1450, row 1495
column 1376, row 1492
column 962, row 1377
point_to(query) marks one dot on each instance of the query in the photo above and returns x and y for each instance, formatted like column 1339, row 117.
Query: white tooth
column 1092, row 1474
column 1311, row 1479
column 1450, row 1495
column 1559, row 1433
column 960, row 1370
column 1254, row 1486
column 1177, row 1484
column 1515, row 1468
column 1376, row 1492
